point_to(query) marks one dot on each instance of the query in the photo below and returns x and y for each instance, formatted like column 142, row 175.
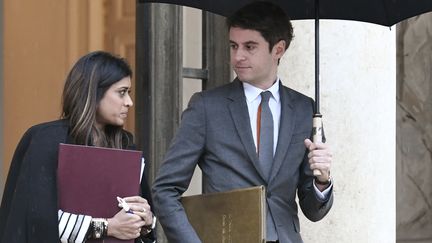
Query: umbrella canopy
column 382, row 12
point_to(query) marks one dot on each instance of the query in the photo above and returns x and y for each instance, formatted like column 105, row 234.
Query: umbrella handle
column 317, row 135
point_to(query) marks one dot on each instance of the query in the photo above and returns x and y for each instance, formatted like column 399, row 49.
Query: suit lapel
column 239, row 112
column 286, row 126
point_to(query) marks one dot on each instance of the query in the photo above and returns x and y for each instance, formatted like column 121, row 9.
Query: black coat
column 28, row 211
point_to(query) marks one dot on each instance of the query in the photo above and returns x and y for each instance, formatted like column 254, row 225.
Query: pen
column 123, row 204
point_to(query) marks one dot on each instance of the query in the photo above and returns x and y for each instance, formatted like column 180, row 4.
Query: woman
column 95, row 105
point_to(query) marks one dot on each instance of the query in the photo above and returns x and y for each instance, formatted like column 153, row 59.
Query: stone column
column 358, row 89
column 414, row 127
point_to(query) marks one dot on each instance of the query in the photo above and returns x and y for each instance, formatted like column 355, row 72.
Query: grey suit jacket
column 215, row 134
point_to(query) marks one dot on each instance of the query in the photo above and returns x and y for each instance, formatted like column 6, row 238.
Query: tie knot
column 265, row 96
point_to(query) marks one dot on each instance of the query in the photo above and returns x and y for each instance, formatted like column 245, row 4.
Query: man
column 226, row 132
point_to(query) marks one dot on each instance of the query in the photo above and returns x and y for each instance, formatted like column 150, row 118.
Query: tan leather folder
column 228, row 217
column 90, row 178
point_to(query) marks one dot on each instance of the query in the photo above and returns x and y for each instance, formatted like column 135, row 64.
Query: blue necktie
column 265, row 152
column 265, row 149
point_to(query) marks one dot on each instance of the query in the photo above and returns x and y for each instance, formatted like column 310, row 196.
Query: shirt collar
column 252, row 92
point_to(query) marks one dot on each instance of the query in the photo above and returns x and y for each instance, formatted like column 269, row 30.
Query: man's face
column 251, row 59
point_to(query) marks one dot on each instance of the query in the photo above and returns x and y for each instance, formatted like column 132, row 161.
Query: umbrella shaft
column 317, row 64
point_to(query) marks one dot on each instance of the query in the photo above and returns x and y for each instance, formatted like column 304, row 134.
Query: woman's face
column 114, row 105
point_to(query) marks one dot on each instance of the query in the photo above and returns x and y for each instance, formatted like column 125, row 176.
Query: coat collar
column 239, row 113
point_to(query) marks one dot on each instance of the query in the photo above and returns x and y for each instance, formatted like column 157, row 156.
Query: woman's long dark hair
column 85, row 86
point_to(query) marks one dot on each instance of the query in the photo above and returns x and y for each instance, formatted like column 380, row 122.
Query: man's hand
column 320, row 158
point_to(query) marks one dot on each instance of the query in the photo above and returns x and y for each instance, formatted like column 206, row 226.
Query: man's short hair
column 267, row 18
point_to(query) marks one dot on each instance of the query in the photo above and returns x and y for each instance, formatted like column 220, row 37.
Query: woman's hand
column 140, row 207
column 127, row 226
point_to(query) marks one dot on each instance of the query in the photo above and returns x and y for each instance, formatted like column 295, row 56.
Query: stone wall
column 414, row 130
column 358, row 89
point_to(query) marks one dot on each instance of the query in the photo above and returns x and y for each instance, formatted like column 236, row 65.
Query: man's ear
column 279, row 48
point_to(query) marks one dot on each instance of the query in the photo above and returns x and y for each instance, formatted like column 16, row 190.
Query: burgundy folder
column 89, row 179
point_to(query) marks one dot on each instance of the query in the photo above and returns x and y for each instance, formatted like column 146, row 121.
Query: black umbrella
column 382, row 12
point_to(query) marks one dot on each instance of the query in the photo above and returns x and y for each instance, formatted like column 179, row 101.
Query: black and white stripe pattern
column 73, row 227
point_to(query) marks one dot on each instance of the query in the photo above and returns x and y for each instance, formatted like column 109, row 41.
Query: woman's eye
column 122, row 92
